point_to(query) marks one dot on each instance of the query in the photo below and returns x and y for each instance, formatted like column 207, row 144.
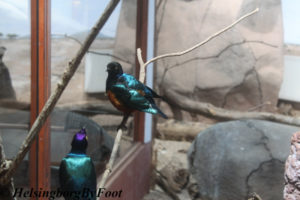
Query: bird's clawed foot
column 122, row 127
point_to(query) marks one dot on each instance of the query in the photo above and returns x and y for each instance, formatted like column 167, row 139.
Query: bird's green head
column 79, row 142
column 114, row 68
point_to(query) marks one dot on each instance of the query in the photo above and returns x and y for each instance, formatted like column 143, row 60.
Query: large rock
column 231, row 160
column 239, row 69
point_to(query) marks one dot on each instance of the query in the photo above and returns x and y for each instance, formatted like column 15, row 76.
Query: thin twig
column 259, row 106
column 67, row 75
column 112, row 158
column 254, row 196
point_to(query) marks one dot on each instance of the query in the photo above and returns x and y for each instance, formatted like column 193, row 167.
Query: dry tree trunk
column 214, row 112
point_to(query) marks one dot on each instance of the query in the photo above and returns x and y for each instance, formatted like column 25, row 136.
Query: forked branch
column 143, row 65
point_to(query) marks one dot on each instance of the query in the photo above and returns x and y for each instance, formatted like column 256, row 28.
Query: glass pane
column 84, row 102
column 15, row 80
column 288, row 92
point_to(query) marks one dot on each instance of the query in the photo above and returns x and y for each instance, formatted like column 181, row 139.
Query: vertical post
column 39, row 163
column 141, row 42
column 149, row 75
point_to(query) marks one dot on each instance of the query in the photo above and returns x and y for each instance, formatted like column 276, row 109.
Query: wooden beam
column 39, row 163
column 131, row 176
column 141, row 42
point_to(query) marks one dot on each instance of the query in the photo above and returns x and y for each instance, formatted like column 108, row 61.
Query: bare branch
column 142, row 66
column 204, row 41
column 211, row 111
column 112, row 158
column 67, row 75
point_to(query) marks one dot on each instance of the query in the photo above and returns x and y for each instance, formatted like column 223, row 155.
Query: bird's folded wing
column 130, row 82
column 92, row 177
column 130, row 97
column 63, row 175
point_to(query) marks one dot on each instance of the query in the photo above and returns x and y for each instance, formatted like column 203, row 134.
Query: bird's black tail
column 160, row 112
column 154, row 94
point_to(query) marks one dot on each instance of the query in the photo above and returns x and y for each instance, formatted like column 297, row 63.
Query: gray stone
column 231, row 160
column 239, row 69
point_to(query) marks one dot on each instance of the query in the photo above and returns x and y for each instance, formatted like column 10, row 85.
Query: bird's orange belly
column 119, row 105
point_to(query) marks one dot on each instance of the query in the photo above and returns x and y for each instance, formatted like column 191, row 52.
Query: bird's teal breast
column 79, row 166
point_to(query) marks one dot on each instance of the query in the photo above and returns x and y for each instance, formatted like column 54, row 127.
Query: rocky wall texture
column 292, row 170
column 124, row 47
column 240, row 69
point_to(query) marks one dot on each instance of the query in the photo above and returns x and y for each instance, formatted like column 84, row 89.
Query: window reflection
column 15, row 80
column 84, row 102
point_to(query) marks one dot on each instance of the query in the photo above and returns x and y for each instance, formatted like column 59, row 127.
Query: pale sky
column 71, row 16
column 67, row 16
column 291, row 21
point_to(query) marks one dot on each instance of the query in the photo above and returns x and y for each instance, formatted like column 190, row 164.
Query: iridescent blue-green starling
column 77, row 171
column 128, row 94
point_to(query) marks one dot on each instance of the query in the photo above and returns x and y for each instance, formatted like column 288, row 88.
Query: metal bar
column 149, row 75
